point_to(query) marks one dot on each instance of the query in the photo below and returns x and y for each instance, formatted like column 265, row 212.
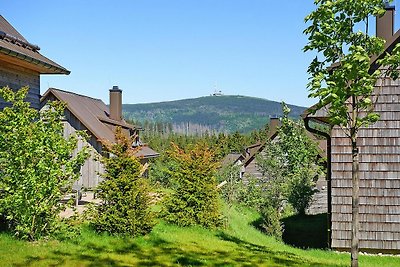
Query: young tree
column 291, row 164
column 196, row 199
column 36, row 165
column 341, row 76
column 125, row 207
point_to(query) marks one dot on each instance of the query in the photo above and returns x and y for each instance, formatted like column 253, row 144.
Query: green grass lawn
column 240, row 244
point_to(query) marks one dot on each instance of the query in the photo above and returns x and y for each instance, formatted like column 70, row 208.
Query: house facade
column 379, row 150
column 21, row 64
column 99, row 121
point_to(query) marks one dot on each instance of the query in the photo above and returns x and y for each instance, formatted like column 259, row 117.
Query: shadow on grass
column 155, row 251
column 306, row 231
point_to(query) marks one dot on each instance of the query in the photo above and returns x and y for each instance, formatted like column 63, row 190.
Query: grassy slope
column 228, row 113
column 168, row 245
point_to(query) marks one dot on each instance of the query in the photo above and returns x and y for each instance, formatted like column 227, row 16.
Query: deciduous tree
column 341, row 77
column 36, row 165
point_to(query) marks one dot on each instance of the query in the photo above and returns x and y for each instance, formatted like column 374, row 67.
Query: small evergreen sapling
column 196, row 200
column 125, row 207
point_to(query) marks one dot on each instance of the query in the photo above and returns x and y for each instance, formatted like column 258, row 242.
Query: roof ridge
column 73, row 93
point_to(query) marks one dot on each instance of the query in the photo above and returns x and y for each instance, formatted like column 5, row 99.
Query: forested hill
column 212, row 113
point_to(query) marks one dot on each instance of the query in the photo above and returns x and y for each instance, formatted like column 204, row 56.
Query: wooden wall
column 253, row 170
column 92, row 169
column 379, row 174
column 16, row 77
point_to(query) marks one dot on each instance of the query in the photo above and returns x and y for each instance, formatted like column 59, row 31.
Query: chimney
column 116, row 103
column 273, row 126
column 385, row 24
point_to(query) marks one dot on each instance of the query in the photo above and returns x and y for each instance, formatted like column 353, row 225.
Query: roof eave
column 45, row 68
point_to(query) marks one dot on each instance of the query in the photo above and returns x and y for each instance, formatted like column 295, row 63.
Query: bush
column 251, row 193
column 125, row 207
column 272, row 224
column 36, row 165
column 302, row 190
column 195, row 200
column 230, row 191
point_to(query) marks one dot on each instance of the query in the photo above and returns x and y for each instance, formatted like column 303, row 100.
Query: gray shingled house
column 21, row 64
column 379, row 146
column 99, row 121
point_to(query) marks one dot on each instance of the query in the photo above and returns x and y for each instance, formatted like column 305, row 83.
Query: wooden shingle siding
column 253, row 170
column 16, row 77
column 92, row 169
column 379, row 147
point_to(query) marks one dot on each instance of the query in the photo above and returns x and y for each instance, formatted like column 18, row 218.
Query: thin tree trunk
column 355, row 226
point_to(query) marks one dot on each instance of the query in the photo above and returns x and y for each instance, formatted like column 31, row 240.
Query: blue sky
column 159, row 50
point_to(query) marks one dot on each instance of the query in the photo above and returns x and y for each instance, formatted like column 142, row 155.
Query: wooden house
column 379, row 148
column 250, row 168
column 21, row 64
column 99, row 121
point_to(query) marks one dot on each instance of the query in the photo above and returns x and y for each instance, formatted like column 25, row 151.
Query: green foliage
column 251, row 193
column 36, row 165
column 221, row 145
column 272, row 224
column 230, row 191
column 342, row 75
column 169, row 245
column 125, row 207
column 348, row 85
column 302, row 189
column 291, row 166
column 195, row 200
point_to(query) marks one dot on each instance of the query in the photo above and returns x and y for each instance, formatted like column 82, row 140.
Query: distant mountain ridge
column 225, row 113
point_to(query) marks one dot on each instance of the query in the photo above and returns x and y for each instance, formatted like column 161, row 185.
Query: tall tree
column 341, row 77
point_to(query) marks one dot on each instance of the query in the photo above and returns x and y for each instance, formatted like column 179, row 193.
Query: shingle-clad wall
column 16, row 77
column 92, row 169
column 379, row 147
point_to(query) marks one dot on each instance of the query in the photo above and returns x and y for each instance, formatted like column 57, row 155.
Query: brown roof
column 231, row 158
column 94, row 115
column 16, row 49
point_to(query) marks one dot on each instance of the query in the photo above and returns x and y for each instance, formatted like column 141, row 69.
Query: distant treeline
column 185, row 128
column 160, row 135
column 226, row 114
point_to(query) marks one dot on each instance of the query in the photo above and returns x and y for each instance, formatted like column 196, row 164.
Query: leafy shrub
column 195, row 200
column 125, row 207
column 230, row 191
column 301, row 190
column 36, row 165
column 272, row 224
column 251, row 193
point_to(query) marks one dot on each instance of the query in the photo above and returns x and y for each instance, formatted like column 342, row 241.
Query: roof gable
column 94, row 115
